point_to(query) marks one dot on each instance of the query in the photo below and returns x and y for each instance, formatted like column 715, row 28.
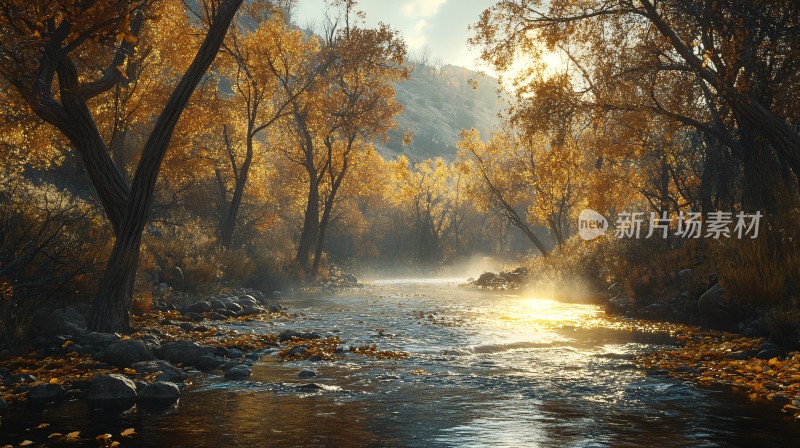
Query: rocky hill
column 438, row 103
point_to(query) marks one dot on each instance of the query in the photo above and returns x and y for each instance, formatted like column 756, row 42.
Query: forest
column 159, row 151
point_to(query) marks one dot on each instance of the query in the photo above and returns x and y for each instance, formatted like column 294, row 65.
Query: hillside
column 438, row 103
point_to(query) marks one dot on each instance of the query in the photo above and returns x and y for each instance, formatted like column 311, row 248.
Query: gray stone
column 185, row 352
column 238, row 373
column 307, row 374
column 198, row 307
column 234, row 353
column 309, row 386
column 51, row 320
column 298, row 350
column 111, row 390
column 247, row 300
column 19, row 378
column 46, row 393
column 159, row 393
column 152, row 342
column 216, row 316
column 287, row 335
column 99, row 339
column 194, row 317
column 684, row 275
column 209, row 362
column 127, row 353
column 714, row 309
column 768, row 354
column 168, row 372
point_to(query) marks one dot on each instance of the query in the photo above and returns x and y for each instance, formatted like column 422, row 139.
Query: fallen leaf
column 128, row 432
column 43, row 425
column 26, row 443
column 73, row 435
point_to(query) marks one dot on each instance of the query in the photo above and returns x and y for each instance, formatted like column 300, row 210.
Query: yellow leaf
column 73, row 435
column 772, row 361
column 103, row 437
column 54, row 435
column 43, row 425
column 54, row 381
column 115, row 443
column 26, row 443
column 128, row 432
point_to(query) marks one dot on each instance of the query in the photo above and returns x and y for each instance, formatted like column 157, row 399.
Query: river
column 485, row 369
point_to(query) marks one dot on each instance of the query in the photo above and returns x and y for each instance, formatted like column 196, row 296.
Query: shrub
column 49, row 250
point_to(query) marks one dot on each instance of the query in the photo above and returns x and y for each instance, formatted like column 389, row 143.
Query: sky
column 441, row 25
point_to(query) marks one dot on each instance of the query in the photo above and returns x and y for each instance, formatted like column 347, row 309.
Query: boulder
column 714, row 309
column 250, row 310
column 23, row 378
column 287, row 335
column 168, row 372
column 238, row 373
column 247, row 300
column 151, row 341
column 216, row 316
column 208, row 362
column 46, row 393
column 198, row 307
column 768, row 354
column 194, row 317
column 111, row 390
column 296, row 351
column 172, row 276
column 235, row 307
column 185, row 352
column 618, row 305
column 306, row 374
column 50, row 320
column 159, row 393
column 127, row 353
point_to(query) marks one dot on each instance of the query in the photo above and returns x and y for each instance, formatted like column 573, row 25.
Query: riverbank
column 169, row 348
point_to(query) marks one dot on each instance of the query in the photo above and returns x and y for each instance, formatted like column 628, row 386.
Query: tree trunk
column 111, row 308
column 310, row 223
column 229, row 225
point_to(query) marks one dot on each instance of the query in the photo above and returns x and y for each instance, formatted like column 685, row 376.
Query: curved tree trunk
column 229, row 224
column 112, row 304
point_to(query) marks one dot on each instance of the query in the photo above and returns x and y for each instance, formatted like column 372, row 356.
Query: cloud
column 417, row 39
column 422, row 8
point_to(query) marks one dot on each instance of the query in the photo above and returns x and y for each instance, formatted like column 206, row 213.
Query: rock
column 111, row 390
column 99, row 339
column 159, row 393
column 618, row 305
column 56, row 320
column 20, row 378
column 769, row 346
column 684, row 275
column 309, row 386
column 151, row 341
column 768, row 354
column 216, row 304
column 249, row 310
column 172, row 276
column 140, row 385
column 315, row 358
column 208, row 362
column 168, row 371
column 298, row 350
column 657, row 372
column 238, row 373
column 194, row 317
column 247, row 300
column 235, row 353
column 714, row 309
column 184, row 352
column 235, row 307
column 3, row 407
column 198, row 307
column 287, row 335
column 216, row 316
column 46, row 393
column 307, row 374
column 127, row 353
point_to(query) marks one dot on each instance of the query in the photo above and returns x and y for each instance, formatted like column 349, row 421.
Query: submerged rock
column 307, row 374
column 46, row 393
column 169, row 372
column 238, row 373
column 159, row 393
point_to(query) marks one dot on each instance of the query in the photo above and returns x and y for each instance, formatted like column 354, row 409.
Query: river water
column 485, row 369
